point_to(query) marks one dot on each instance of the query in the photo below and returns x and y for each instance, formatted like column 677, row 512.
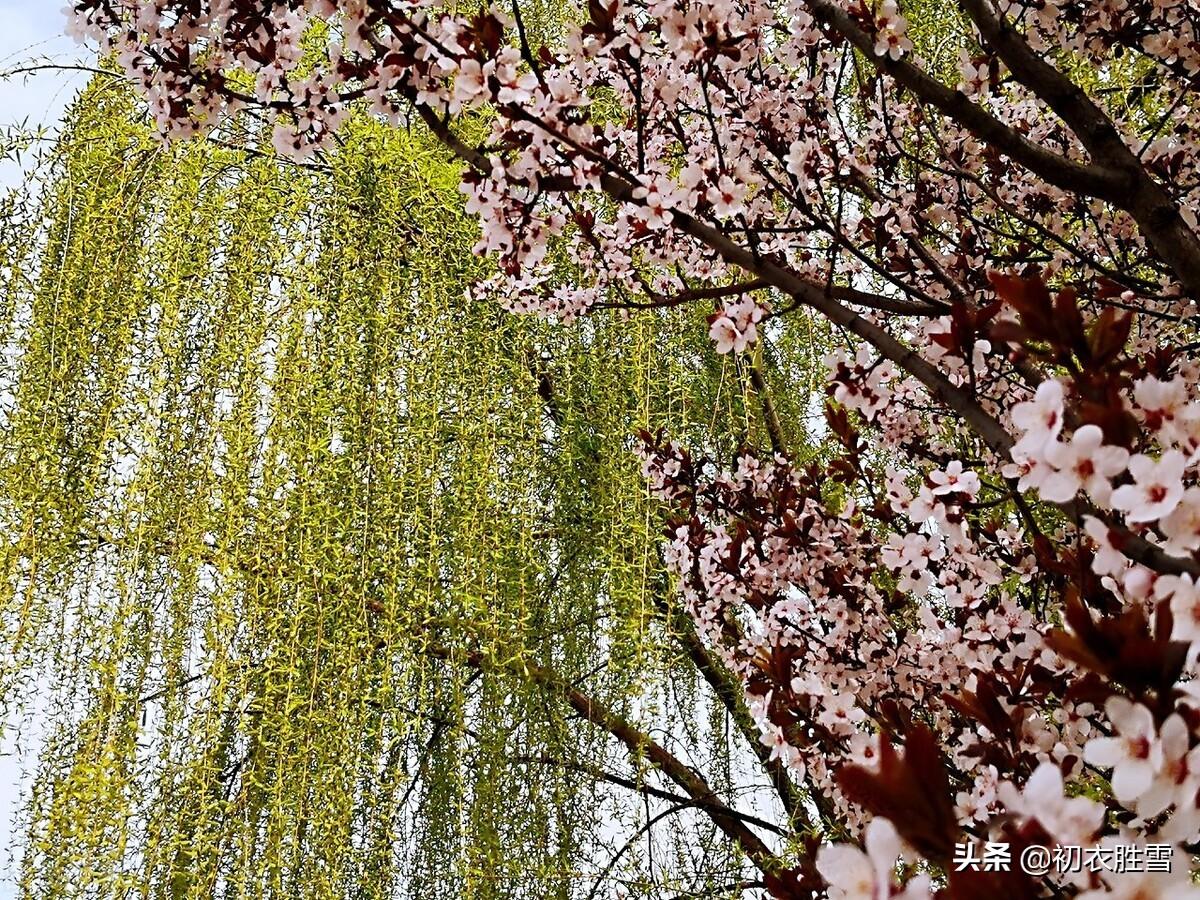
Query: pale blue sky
column 31, row 31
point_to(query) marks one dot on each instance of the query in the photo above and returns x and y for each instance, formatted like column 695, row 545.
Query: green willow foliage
column 268, row 474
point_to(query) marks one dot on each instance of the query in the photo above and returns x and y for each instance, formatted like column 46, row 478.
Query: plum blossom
column 736, row 327
column 727, row 337
column 1041, row 419
column 1082, row 463
column 1182, row 525
column 891, row 40
column 1108, row 559
column 1157, row 488
column 1173, row 884
column 657, row 199
column 954, row 480
column 978, row 804
column 1135, row 755
column 781, row 749
column 974, row 74
column 731, row 120
column 854, row 874
column 863, row 384
column 1070, row 820
column 1183, row 595
column 840, row 713
column 1162, row 405
column 1179, row 779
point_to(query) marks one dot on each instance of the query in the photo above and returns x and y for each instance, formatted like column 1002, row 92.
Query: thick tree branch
column 1093, row 180
column 641, row 787
column 1140, row 195
column 637, row 742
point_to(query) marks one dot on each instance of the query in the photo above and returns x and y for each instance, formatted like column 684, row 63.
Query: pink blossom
column 1182, row 525
column 1069, row 820
column 1135, row 755
column 1179, row 779
column 954, row 480
column 1183, row 595
column 1174, row 884
column 1041, row 419
column 1082, row 463
column 1157, row 488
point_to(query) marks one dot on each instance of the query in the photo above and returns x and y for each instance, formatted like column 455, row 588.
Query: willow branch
column 638, row 743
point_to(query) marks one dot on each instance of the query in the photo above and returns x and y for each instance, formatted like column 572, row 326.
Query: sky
column 31, row 33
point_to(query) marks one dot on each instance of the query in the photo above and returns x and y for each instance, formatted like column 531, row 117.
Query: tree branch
column 729, row 691
column 637, row 742
column 982, row 423
column 1093, row 180
column 1138, row 193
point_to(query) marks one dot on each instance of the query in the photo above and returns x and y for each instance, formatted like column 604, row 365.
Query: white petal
column 883, row 844
column 1104, row 752
column 845, row 866
column 1059, row 487
column 1159, row 797
column 1131, row 779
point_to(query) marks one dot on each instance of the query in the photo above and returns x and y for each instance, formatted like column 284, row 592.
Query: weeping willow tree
column 322, row 579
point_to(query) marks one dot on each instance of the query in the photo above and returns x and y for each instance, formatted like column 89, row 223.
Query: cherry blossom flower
column 1070, row 820
column 1183, row 595
column 1135, row 755
column 954, row 480
column 1082, row 463
column 1041, row 419
column 1157, row 488
column 891, row 40
column 1179, row 779
column 1182, row 525
column 736, row 328
column 853, row 874
column 1174, row 884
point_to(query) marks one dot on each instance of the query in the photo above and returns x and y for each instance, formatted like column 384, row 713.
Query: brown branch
column 881, row 303
column 1094, row 180
column 638, row 743
column 1136, row 192
column 690, row 295
column 770, row 415
column 646, row 789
